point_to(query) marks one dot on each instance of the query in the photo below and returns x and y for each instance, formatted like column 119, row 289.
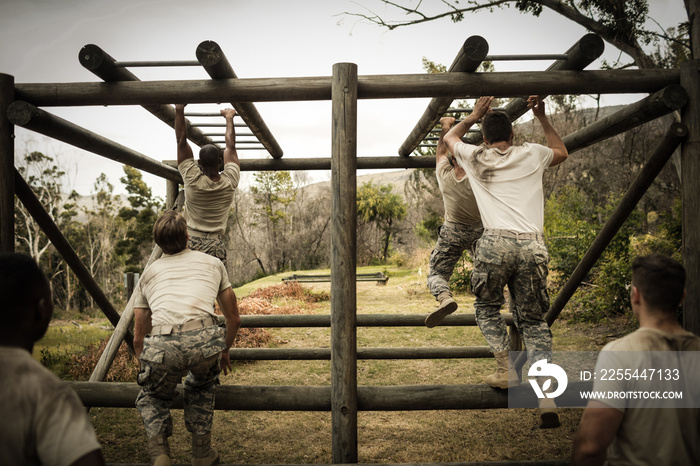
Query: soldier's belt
column 513, row 234
column 167, row 329
column 202, row 234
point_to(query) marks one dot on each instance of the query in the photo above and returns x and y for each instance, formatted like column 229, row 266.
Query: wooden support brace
column 663, row 151
column 121, row 328
column 215, row 63
column 28, row 116
column 51, row 230
column 667, row 100
column 468, row 59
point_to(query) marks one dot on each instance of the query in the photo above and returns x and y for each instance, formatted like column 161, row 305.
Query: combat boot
column 549, row 414
column 447, row 306
column 159, row 450
column 202, row 452
column 504, row 376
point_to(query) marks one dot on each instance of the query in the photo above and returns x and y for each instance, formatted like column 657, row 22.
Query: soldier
column 619, row 430
column 507, row 183
column 176, row 333
column 208, row 193
column 459, row 232
column 44, row 421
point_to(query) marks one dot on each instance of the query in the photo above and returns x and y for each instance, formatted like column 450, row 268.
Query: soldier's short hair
column 496, row 127
column 21, row 282
column 660, row 280
column 170, row 232
column 209, row 156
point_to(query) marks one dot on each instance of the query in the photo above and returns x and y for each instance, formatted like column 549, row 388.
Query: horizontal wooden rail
column 507, row 84
column 318, row 398
column 478, row 463
column 324, row 354
column 363, row 320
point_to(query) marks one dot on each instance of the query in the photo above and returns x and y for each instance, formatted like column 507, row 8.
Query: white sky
column 40, row 41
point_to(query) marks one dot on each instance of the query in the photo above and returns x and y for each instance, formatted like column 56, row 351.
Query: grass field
column 383, row 437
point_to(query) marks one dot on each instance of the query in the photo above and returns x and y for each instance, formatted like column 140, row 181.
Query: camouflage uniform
column 164, row 361
column 453, row 240
column 522, row 265
column 212, row 246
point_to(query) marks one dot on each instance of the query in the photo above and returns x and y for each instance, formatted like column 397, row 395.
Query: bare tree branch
column 567, row 9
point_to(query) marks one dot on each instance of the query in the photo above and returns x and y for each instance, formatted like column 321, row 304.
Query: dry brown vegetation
column 271, row 437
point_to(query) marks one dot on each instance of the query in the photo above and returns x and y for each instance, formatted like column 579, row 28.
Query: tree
column 273, row 192
column 46, row 179
column 139, row 217
column 103, row 228
column 378, row 205
column 622, row 23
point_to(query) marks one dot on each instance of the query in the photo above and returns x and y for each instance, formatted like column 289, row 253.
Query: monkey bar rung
column 152, row 63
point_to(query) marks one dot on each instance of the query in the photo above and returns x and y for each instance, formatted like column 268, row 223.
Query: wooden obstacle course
column 343, row 88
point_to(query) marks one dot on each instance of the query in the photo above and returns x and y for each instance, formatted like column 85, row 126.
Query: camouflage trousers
column 451, row 243
column 212, row 246
column 522, row 265
column 165, row 360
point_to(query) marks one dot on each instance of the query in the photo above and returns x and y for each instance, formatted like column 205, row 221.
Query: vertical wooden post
column 130, row 279
column 343, row 263
column 171, row 190
column 690, row 181
column 7, row 166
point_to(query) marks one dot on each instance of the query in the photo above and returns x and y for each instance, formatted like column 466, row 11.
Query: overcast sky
column 40, row 41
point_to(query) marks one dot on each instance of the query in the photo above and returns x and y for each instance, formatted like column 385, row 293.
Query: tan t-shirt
column 44, row 421
column 652, row 436
column 457, row 195
column 181, row 287
column 207, row 202
column 507, row 184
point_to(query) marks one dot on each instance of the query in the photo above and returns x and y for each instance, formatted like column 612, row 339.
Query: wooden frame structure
column 670, row 90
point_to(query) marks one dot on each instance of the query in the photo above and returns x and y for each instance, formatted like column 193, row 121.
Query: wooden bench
column 378, row 277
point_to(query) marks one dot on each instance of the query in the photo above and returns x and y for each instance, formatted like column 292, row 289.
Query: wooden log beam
column 663, row 151
column 690, row 181
column 7, row 166
column 51, row 230
column 468, row 59
column 661, row 103
column 30, row 117
column 324, row 354
column 505, row 84
column 343, row 260
column 578, row 57
column 363, row 163
column 318, row 398
column 102, row 65
column 217, row 65
column 363, row 320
